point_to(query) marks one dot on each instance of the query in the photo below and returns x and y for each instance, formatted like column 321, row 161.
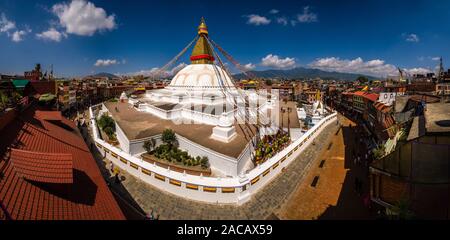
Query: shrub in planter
column 109, row 131
column 169, row 137
column 106, row 121
column 149, row 145
column 204, row 162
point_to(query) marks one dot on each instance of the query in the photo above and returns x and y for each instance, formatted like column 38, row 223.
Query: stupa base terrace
column 234, row 179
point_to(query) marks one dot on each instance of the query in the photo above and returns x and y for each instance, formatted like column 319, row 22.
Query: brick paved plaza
column 334, row 196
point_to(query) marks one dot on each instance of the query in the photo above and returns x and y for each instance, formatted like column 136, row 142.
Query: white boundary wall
column 235, row 190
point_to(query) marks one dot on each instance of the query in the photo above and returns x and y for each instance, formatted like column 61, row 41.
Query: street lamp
column 289, row 110
column 283, row 110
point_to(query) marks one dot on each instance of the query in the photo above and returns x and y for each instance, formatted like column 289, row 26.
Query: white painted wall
column 264, row 172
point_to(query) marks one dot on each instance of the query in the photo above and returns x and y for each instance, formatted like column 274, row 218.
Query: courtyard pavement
column 334, row 195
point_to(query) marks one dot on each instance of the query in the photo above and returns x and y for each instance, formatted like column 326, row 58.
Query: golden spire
column 318, row 95
column 202, row 28
column 202, row 53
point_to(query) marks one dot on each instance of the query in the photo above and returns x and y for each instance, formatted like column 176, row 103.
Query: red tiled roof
column 372, row 96
column 381, row 107
column 359, row 93
column 43, row 167
column 88, row 197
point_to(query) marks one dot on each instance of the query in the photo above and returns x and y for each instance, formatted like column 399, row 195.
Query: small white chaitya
column 123, row 97
column 317, row 111
column 225, row 130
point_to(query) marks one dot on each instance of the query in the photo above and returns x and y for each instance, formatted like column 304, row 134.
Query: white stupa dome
column 123, row 96
column 201, row 77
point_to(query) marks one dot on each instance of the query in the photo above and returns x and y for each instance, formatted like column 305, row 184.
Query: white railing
column 238, row 189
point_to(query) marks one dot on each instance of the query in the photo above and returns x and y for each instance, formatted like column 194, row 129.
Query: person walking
column 116, row 178
column 149, row 216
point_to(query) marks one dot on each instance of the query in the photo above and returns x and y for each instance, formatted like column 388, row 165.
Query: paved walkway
column 334, row 195
column 263, row 204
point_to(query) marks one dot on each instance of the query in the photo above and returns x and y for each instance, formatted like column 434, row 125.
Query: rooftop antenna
column 51, row 72
column 441, row 79
column 441, row 70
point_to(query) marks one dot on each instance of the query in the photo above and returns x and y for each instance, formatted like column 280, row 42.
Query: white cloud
column 10, row 29
column 83, row 18
column 6, row 25
column 307, row 16
column 277, row 62
column 257, row 20
column 18, row 35
column 418, row 70
column 374, row 67
column 274, row 11
column 435, row 58
column 293, row 23
column 282, row 20
column 51, row 35
column 176, row 69
column 411, row 37
column 105, row 62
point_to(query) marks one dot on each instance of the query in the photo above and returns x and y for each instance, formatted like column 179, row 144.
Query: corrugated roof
column 20, row 83
column 382, row 107
column 88, row 197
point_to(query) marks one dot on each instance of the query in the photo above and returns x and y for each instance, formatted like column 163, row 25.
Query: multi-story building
column 415, row 172
column 358, row 102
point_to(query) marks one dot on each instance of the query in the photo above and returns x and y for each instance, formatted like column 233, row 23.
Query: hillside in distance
column 304, row 73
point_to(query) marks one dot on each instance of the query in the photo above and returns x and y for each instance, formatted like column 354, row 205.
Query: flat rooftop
column 138, row 125
column 437, row 117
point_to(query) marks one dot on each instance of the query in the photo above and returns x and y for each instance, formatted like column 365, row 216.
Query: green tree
column 109, row 131
column 106, row 121
column 204, row 162
column 379, row 152
column 149, row 145
column 3, row 100
column 401, row 209
column 169, row 137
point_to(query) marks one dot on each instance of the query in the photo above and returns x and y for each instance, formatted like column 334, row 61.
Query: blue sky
column 371, row 37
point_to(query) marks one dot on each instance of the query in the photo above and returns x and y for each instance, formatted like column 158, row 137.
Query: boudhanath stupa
column 210, row 116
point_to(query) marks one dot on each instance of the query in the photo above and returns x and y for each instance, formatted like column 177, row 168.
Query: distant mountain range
column 304, row 73
column 295, row 73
